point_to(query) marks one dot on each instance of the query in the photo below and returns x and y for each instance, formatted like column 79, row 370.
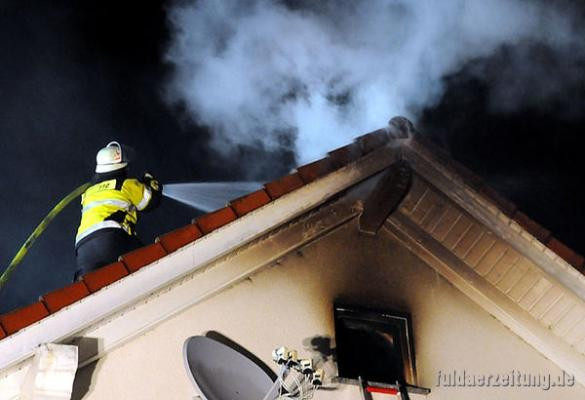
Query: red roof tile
column 178, row 238
column 101, row 277
column 371, row 141
column 143, row 256
column 63, row 297
column 216, row 219
column 563, row 251
column 250, row 202
column 21, row 318
column 505, row 205
column 344, row 155
column 532, row 227
column 284, row 185
column 316, row 169
column 2, row 333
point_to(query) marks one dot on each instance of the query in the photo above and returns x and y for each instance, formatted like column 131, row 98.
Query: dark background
column 75, row 75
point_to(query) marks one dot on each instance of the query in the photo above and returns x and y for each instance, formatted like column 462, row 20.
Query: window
column 376, row 345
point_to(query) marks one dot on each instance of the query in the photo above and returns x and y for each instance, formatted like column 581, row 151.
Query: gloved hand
column 150, row 181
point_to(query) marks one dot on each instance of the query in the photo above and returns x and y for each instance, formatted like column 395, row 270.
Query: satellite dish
column 221, row 373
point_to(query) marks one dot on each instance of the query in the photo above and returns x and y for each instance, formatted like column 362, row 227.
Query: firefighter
column 110, row 210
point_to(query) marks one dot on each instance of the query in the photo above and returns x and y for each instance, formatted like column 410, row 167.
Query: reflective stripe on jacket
column 112, row 203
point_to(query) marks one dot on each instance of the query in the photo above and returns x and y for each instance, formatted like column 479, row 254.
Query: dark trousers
column 102, row 248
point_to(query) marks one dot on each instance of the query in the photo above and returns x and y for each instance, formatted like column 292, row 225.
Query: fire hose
column 39, row 230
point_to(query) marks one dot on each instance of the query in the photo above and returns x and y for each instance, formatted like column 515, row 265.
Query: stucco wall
column 292, row 301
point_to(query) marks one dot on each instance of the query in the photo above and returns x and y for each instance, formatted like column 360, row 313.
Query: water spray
column 208, row 196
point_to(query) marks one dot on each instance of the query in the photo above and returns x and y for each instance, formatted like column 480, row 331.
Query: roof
column 503, row 205
column 279, row 201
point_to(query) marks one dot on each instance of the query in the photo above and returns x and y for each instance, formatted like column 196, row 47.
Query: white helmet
column 110, row 158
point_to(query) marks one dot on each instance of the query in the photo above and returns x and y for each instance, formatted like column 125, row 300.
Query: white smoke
column 257, row 71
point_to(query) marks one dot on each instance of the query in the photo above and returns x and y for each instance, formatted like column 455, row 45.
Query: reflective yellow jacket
column 113, row 203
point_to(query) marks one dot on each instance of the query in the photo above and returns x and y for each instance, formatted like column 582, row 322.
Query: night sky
column 77, row 74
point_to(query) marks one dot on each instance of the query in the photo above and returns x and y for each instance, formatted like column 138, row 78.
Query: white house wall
column 292, row 301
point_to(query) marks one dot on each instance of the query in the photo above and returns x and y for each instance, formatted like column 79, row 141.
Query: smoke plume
column 312, row 75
